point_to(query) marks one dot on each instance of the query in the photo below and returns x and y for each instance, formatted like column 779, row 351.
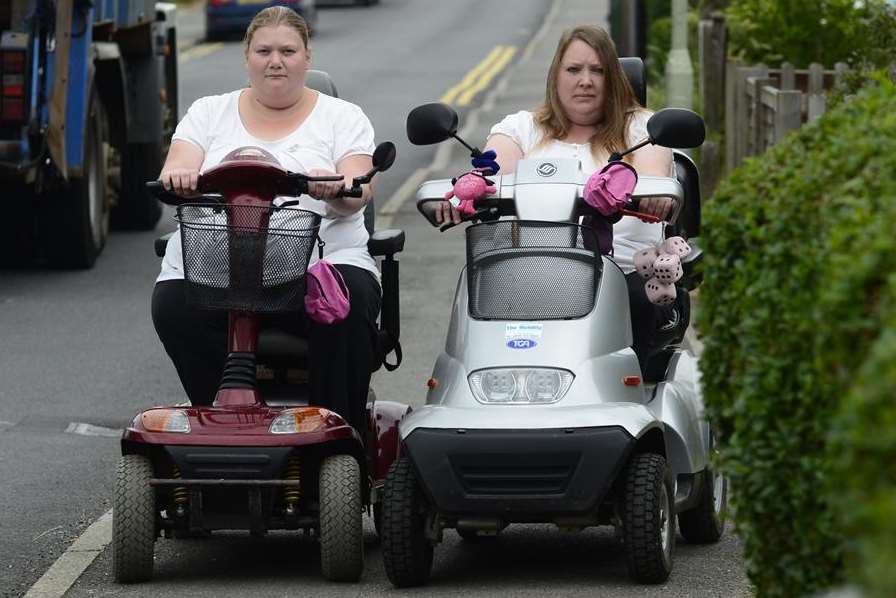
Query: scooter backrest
column 321, row 81
column 633, row 67
column 688, row 223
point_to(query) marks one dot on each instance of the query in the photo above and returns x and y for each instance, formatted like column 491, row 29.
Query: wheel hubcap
column 665, row 520
column 718, row 492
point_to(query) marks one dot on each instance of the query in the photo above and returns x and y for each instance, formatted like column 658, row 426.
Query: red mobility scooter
column 261, row 457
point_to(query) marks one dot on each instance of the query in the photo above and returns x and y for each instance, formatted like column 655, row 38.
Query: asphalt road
column 79, row 347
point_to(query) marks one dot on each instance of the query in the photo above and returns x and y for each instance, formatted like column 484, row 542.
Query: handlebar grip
column 157, row 190
column 351, row 192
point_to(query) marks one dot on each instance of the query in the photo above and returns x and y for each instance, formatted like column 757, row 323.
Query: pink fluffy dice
column 644, row 260
column 660, row 293
column 667, row 268
column 676, row 246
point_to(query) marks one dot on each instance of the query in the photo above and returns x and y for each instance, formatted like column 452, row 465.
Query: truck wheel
column 648, row 518
column 341, row 525
column 78, row 218
column 704, row 523
column 137, row 209
column 133, row 520
column 407, row 554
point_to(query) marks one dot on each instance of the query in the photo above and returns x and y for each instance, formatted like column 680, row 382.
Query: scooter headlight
column 295, row 421
column 520, row 386
column 165, row 420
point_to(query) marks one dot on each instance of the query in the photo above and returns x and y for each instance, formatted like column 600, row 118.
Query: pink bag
column 608, row 189
column 326, row 296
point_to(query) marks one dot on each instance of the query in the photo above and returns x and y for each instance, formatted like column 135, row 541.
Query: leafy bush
column 798, row 310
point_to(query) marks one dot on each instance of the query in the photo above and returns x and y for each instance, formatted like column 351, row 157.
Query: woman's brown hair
column 619, row 98
column 274, row 16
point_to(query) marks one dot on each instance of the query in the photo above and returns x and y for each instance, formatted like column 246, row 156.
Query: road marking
column 199, row 51
column 91, row 430
column 69, row 567
column 471, row 77
column 502, row 61
column 386, row 215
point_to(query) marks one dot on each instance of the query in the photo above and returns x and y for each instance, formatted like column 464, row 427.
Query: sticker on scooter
column 521, row 343
column 530, row 330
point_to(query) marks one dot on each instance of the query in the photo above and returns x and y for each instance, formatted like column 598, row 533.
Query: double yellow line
column 480, row 76
column 199, row 51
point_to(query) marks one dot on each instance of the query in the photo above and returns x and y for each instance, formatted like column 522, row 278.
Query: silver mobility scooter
column 538, row 410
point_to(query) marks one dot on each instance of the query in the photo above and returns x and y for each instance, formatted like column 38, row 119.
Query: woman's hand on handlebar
column 180, row 181
column 660, row 207
column 446, row 213
column 324, row 189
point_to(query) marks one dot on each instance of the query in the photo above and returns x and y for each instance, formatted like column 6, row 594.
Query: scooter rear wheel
column 648, row 518
column 705, row 523
column 133, row 520
column 341, row 524
column 407, row 553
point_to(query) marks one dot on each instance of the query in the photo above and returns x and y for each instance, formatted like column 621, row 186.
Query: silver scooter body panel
column 595, row 348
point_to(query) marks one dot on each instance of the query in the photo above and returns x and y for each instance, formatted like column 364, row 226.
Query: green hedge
column 798, row 313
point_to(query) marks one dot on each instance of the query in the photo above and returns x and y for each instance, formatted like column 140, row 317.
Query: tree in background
column 804, row 31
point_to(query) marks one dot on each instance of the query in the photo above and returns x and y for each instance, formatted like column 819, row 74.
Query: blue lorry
column 87, row 107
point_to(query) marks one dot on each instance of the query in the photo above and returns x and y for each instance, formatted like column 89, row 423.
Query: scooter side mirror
column 384, row 156
column 431, row 123
column 676, row 127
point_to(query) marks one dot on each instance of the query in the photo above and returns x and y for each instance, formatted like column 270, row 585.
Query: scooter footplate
column 518, row 473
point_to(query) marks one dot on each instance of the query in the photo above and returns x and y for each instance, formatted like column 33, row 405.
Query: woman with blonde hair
column 589, row 112
column 306, row 131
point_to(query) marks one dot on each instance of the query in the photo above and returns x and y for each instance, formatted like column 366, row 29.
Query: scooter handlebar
column 157, row 190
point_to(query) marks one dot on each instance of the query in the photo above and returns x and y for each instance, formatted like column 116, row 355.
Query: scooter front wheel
column 407, row 553
column 341, row 523
column 648, row 521
column 133, row 520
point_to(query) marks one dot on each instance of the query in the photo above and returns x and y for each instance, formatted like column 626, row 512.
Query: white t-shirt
column 334, row 130
column 630, row 234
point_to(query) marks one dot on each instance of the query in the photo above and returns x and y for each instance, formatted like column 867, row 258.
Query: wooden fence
column 753, row 107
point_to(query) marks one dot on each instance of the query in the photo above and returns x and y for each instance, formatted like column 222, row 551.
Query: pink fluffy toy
column 467, row 189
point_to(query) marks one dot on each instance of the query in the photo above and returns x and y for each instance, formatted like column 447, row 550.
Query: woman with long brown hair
column 590, row 111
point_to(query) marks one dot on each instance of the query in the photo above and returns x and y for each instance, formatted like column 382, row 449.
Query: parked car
column 329, row 3
column 225, row 18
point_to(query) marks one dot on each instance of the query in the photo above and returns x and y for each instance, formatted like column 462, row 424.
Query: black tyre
column 341, row 524
column 137, row 209
column 648, row 518
column 133, row 520
column 407, row 554
column 705, row 523
column 78, row 214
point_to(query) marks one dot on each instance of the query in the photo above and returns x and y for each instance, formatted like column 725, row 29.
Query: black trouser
column 341, row 356
column 647, row 318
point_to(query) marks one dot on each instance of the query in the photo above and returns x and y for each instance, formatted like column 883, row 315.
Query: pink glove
column 608, row 189
column 467, row 189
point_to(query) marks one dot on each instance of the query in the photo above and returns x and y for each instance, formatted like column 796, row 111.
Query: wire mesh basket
column 531, row 270
column 246, row 258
